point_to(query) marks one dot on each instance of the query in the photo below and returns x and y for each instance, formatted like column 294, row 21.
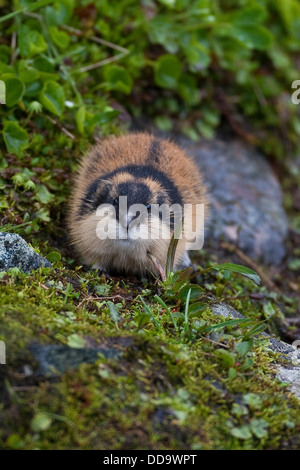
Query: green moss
column 168, row 389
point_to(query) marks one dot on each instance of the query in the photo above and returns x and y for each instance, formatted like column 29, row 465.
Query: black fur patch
column 93, row 197
column 154, row 151
column 96, row 194
column 137, row 193
column 147, row 171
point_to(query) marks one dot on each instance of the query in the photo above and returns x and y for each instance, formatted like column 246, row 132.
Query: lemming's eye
column 148, row 207
column 116, row 201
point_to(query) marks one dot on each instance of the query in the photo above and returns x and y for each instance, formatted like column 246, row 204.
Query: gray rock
column 55, row 359
column 16, row 253
column 245, row 196
column 288, row 366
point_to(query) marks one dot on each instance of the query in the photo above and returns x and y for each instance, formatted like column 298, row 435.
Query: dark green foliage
column 73, row 70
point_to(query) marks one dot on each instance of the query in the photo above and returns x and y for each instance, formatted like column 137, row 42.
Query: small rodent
column 148, row 171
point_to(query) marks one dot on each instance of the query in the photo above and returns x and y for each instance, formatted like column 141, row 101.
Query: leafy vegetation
column 78, row 71
column 69, row 70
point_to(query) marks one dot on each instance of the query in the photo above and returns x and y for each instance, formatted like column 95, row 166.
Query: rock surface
column 288, row 366
column 53, row 359
column 245, row 196
column 16, row 253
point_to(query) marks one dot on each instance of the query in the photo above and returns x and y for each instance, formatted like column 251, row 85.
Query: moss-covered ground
column 173, row 384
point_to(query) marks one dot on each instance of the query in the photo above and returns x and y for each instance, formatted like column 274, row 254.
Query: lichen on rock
column 16, row 253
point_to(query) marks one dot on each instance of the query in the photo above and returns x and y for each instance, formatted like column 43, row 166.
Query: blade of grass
column 34, row 7
column 148, row 311
column 187, row 304
column 162, row 303
column 233, row 322
column 14, row 228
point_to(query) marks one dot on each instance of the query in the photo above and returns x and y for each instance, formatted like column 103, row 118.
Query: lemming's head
column 131, row 197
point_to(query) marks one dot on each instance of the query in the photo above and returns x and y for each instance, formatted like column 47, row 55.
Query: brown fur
column 116, row 152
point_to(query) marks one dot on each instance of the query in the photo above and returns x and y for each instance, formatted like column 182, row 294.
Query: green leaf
column 27, row 73
column 33, row 89
column 76, row 341
column 167, row 71
column 102, row 289
column 252, row 15
column 53, row 98
column 99, row 119
column 43, row 194
column 59, row 13
column 15, row 138
column 228, row 358
column 43, row 64
column 60, row 38
column 118, row 78
column 231, row 373
column 253, row 36
column 41, row 422
column 196, row 292
column 5, row 53
column 258, row 428
column 142, row 319
column 243, row 347
column 15, row 441
column 31, row 42
column 253, row 400
column 163, row 123
column 294, row 264
column 80, row 118
column 188, row 89
column 113, row 312
column 198, row 325
column 180, row 277
column 168, row 3
column 269, row 309
column 290, row 12
column 54, row 256
column 261, row 326
column 242, row 432
column 197, row 54
column 236, row 268
column 196, row 308
column 163, row 31
column 14, row 89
